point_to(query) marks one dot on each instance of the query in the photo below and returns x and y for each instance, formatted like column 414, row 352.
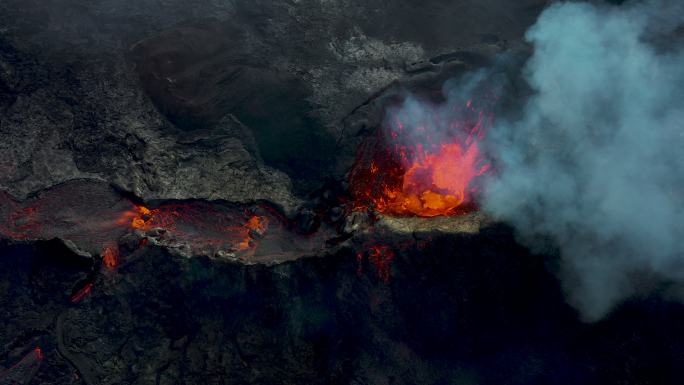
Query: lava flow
column 94, row 218
column 203, row 225
column 424, row 165
column 381, row 257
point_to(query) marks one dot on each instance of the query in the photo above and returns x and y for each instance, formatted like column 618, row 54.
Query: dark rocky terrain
column 170, row 100
column 253, row 104
column 462, row 310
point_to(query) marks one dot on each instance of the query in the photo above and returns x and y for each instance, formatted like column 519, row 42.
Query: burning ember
column 425, row 162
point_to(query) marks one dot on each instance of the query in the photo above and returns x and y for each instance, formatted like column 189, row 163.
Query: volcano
column 285, row 192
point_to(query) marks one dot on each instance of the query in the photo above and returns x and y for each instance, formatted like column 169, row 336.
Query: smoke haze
column 465, row 99
column 596, row 160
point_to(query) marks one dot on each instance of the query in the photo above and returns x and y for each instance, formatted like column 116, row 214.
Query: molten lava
column 381, row 257
column 257, row 223
column 203, row 225
column 110, row 256
column 426, row 168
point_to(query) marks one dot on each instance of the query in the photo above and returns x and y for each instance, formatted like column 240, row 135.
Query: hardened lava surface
column 453, row 308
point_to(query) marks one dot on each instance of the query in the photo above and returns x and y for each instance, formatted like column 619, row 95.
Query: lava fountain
column 424, row 161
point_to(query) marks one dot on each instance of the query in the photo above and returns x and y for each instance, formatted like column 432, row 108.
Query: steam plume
column 596, row 161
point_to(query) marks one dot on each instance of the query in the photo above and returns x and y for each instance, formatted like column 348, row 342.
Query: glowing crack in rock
column 82, row 293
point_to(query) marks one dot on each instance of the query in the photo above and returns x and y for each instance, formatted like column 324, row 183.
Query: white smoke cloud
column 420, row 120
column 597, row 159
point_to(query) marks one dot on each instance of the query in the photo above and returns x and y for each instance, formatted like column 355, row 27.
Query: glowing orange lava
column 257, row 223
column 434, row 184
column 255, row 226
column 203, row 225
column 142, row 218
column 110, row 256
column 410, row 172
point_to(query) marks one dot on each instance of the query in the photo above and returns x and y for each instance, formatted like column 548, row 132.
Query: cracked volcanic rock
column 160, row 98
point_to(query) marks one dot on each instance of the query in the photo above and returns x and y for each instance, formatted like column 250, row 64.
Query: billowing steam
column 596, row 160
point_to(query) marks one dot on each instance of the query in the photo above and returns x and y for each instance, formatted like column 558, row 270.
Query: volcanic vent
column 426, row 159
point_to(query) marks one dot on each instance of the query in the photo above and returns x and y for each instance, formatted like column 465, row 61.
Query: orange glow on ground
column 255, row 226
column 435, row 183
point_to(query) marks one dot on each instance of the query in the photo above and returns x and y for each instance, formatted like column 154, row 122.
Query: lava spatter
column 426, row 168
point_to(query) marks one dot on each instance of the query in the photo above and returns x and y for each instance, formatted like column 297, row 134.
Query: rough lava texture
column 464, row 309
column 160, row 97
